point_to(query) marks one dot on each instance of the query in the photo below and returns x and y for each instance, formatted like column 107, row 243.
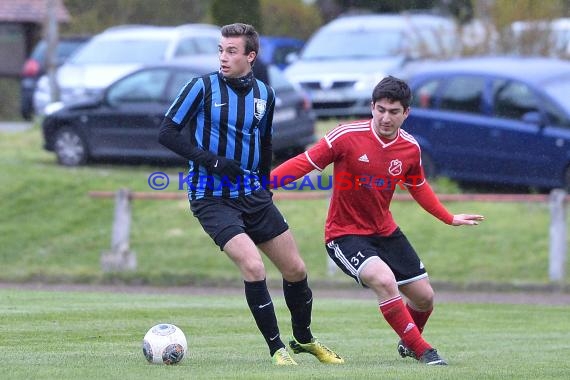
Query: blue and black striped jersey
column 227, row 123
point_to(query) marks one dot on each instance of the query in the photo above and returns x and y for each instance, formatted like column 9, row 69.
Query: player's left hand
column 466, row 219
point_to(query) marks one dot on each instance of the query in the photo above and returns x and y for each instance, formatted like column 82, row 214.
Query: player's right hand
column 467, row 219
column 226, row 167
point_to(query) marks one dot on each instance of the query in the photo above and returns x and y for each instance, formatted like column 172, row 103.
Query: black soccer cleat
column 404, row 351
column 431, row 357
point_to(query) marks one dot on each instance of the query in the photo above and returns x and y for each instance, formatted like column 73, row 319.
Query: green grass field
column 95, row 335
column 52, row 231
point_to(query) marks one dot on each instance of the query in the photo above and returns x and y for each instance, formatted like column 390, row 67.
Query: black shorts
column 224, row 218
column 351, row 252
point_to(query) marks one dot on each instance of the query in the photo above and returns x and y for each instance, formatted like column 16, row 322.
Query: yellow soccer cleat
column 282, row 357
column 317, row 349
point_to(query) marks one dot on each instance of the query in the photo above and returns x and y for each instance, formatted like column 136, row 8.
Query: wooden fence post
column 557, row 261
column 120, row 258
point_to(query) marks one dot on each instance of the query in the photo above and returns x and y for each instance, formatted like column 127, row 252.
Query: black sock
column 299, row 299
column 261, row 306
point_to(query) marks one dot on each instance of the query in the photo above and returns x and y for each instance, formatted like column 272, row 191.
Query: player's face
column 234, row 63
column 387, row 117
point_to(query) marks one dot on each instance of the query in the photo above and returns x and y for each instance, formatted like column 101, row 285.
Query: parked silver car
column 342, row 62
column 120, row 50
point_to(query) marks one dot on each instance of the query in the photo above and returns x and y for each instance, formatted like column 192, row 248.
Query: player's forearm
column 426, row 197
column 291, row 170
column 170, row 136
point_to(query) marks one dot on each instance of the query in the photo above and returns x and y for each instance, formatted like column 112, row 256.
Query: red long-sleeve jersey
column 367, row 170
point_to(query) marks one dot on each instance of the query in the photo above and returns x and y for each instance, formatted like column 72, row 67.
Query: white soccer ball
column 164, row 344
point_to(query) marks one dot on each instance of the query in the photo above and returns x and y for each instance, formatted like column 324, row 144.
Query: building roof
column 33, row 11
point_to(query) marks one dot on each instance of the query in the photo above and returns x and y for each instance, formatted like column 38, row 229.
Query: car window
column 558, row 89
column 196, row 45
column 513, row 99
column 185, row 47
column 424, row 95
column 39, row 52
column 429, row 43
column 207, row 45
column 66, row 48
column 463, row 93
column 363, row 38
column 556, row 116
column 355, row 44
column 144, row 86
column 178, row 81
column 112, row 51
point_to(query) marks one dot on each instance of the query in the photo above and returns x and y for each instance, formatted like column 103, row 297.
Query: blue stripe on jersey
column 232, row 121
column 184, row 107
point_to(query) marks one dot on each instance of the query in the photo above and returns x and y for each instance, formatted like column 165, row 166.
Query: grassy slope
column 50, row 229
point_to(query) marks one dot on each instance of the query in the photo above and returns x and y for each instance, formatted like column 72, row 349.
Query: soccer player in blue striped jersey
column 229, row 114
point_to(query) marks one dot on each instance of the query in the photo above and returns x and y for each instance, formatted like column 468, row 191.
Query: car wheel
column 69, row 147
column 429, row 166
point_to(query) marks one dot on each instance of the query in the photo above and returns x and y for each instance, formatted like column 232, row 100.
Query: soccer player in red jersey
column 371, row 158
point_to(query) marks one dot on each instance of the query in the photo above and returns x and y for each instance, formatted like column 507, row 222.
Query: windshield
column 121, row 51
column 354, row 44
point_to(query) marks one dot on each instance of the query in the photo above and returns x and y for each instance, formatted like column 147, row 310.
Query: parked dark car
column 36, row 66
column 122, row 124
column 498, row 121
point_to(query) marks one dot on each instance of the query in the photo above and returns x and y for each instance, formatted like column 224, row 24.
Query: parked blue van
column 495, row 120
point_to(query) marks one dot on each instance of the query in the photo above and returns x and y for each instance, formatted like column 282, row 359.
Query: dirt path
column 443, row 296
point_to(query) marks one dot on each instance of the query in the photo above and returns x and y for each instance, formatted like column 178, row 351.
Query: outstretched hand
column 466, row 219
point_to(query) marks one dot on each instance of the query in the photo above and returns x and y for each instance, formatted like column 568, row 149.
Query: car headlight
column 52, row 108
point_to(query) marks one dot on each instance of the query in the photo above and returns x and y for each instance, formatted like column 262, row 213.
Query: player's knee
column 425, row 304
column 425, row 300
column 295, row 271
column 253, row 270
column 380, row 284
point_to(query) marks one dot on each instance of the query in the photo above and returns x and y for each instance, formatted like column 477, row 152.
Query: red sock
column 420, row 317
column 397, row 316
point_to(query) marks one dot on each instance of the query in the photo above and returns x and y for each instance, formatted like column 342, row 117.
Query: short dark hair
column 393, row 89
column 239, row 29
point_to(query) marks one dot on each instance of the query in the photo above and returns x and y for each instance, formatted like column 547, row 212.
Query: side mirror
column 107, row 98
column 533, row 117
